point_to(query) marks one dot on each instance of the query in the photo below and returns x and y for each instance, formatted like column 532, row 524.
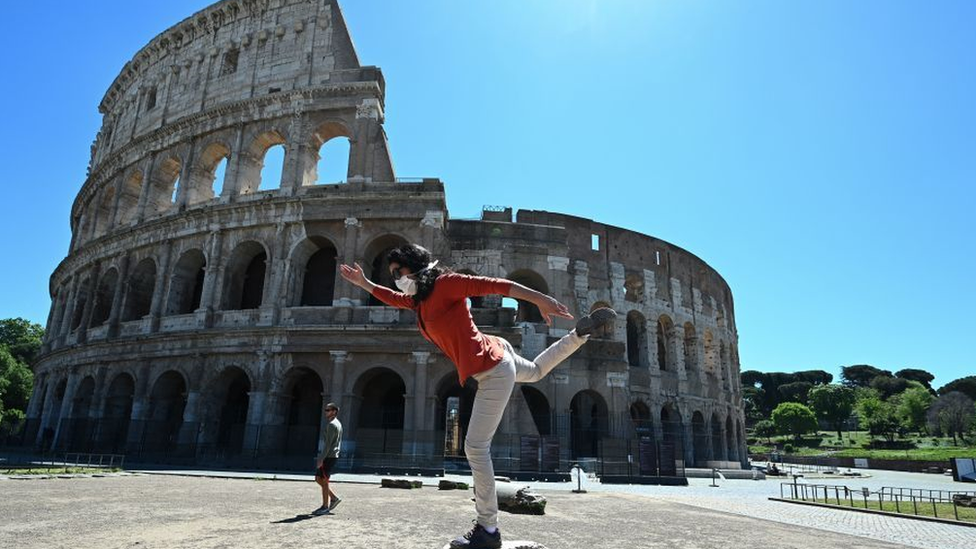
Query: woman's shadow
column 296, row 518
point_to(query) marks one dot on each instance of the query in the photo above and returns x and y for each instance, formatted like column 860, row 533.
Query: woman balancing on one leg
column 438, row 296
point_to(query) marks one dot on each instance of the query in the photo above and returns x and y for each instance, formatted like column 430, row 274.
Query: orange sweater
column 445, row 321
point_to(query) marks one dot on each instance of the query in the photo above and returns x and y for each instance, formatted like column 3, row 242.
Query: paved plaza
column 150, row 511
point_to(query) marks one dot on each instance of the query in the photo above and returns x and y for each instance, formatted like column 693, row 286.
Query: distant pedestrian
column 327, row 460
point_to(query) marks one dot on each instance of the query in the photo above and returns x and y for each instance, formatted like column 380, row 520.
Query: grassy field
column 904, row 507
column 855, row 444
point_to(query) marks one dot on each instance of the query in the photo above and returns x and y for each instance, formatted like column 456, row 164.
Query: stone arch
column 81, row 299
column 103, row 212
column 690, row 348
column 203, row 179
column 539, row 407
column 711, row 358
column 167, row 400
column 589, row 423
column 454, row 404
column 378, row 266
column 672, row 439
column 331, row 142
column 128, row 207
column 636, row 340
column 528, row 312
column 731, row 451
column 164, row 186
column 228, row 402
column 84, row 398
column 186, row 283
column 379, row 394
column 313, row 266
column 247, row 271
column 665, row 343
column 117, row 412
column 717, row 440
column 302, row 410
column 81, row 430
column 104, row 295
column 699, row 435
column 139, row 290
column 253, row 164
column 640, row 417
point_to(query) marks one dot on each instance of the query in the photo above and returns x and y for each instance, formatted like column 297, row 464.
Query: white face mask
column 408, row 284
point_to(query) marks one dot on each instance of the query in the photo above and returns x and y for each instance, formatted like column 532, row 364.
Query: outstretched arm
column 547, row 305
column 356, row 276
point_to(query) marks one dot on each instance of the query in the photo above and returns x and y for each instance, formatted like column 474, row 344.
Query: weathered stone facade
column 213, row 315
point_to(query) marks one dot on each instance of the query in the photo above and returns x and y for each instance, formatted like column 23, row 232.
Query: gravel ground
column 148, row 512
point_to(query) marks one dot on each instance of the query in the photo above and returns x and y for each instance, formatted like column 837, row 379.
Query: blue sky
column 820, row 155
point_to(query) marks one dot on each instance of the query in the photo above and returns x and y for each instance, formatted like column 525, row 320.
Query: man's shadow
column 296, row 518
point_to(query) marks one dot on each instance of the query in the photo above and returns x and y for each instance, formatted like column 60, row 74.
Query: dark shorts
column 325, row 471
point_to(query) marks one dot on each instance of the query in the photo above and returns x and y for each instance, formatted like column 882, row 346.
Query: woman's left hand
column 549, row 308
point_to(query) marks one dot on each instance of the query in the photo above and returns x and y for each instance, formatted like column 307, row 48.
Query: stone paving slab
column 156, row 511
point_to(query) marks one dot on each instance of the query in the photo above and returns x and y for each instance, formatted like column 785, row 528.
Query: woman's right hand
column 353, row 274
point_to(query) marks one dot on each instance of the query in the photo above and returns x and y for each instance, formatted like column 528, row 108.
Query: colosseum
column 198, row 316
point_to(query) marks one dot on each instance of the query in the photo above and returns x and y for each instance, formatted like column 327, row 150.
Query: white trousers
column 494, row 389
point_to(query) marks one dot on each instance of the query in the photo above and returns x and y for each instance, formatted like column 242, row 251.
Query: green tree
column 795, row 392
column 952, row 414
column 22, row 337
column 860, row 375
column 914, row 374
column 889, row 386
column 793, row 418
column 816, row 377
column 913, row 406
column 16, row 381
column 965, row 385
column 877, row 415
column 765, row 429
column 833, row 403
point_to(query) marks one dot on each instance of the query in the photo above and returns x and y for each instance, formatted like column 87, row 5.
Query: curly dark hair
column 416, row 258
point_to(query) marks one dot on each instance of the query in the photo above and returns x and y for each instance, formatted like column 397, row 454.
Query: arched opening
column 165, row 187
column 139, row 294
column 209, row 177
column 699, row 436
column 539, row 407
column 186, row 286
column 454, row 404
column 231, row 394
column 314, row 265
column 118, row 410
column 102, row 308
column 81, row 430
column 665, row 332
column 128, row 206
column 636, row 340
column 272, row 166
column 332, row 162
column 81, row 300
column 246, row 270
column 640, row 417
column 730, row 448
column 589, row 423
column 103, row 214
column 690, row 348
column 528, row 312
column 381, row 395
column 376, row 254
column 672, row 445
column 711, row 357
column 303, row 389
column 717, row 441
column 167, row 401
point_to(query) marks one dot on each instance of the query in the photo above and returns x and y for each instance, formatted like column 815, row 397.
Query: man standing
column 327, row 460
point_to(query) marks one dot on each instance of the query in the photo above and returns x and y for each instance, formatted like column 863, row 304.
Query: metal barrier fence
column 940, row 504
column 615, row 446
